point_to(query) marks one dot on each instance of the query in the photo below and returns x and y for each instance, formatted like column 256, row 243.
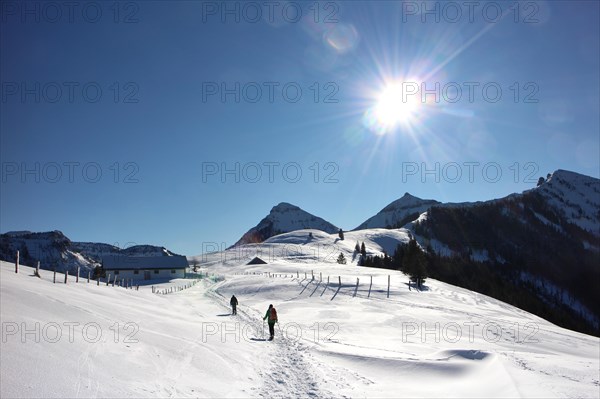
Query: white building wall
column 162, row 274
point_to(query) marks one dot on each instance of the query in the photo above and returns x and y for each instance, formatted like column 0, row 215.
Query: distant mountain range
column 54, row 249
column 574, row 196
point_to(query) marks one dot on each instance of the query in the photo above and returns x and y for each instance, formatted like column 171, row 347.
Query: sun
column 397, row 104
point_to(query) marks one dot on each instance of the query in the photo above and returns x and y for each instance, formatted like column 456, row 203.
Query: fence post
column 340, row 280
column 320, row 276
column 297, row 274
column 17, row 263
column 305, row 277
column 388, row 292
column 108, row 280
column 77, row 278
column 66, row 275
column 370, row 285
column 356, row 289
column 312, row 273
column 89, row 273
column 98, row 281
column 37, row 269
column 54, row 278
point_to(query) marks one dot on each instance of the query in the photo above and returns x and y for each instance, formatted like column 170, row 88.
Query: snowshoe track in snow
column 290, row 373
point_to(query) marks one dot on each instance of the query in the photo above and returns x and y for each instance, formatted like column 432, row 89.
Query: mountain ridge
column 54, row 249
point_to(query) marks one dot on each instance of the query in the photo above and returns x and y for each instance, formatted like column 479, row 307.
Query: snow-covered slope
column 398, row 213
column 284, row 218
column 331, row 341
column 299, row 247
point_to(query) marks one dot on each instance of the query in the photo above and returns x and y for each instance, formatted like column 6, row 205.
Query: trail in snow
column 288, row 372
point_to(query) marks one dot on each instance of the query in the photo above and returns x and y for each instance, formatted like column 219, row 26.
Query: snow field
column 329, row 343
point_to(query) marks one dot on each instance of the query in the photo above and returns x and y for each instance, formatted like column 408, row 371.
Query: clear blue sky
column 163, row 128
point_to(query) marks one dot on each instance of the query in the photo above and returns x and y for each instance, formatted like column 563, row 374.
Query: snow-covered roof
column 143, row 262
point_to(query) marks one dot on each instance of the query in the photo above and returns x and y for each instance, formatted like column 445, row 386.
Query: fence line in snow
column 128, row 283
column 385, row 289
column 172, row 289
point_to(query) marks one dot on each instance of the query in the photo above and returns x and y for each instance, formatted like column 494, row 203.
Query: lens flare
column 398, row 104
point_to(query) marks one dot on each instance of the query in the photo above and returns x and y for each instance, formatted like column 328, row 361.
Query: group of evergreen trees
column 360, row 249
column 408, row 258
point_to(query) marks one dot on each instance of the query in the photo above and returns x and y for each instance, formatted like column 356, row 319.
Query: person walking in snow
column 271, row 315
column 233, row 302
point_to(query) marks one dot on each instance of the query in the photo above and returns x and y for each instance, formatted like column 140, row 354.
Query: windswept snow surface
column 331, row 341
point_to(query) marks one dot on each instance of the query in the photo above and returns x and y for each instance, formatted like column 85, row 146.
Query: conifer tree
column 414, row 263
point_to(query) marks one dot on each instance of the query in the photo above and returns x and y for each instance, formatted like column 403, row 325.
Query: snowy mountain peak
column 284, row 207
column 407, row 201
column 568, row 175
column 398, row 213
column 576, row 197
column 285, row 218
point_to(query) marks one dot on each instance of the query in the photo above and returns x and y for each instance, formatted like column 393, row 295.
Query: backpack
column 273, row 314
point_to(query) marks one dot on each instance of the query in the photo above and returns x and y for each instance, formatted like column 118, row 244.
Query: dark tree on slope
column 25, row 257
column 341, row 234
column 341, row 259
column 357, row 247
column 414, row 263
column 541, row 181
column 363, row 249
column 398, row 256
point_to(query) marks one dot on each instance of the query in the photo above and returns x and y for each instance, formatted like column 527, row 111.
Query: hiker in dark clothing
column 271, row 315
column 233, row 302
